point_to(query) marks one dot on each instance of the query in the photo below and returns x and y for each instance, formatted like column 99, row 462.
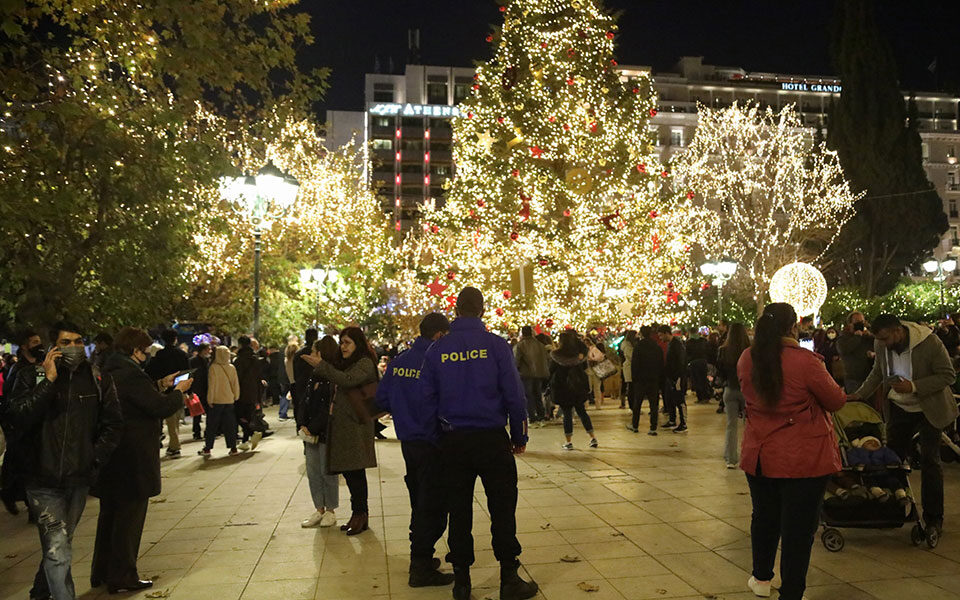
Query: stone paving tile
column 644, row 517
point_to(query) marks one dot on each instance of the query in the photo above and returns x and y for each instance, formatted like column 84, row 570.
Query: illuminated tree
column 774, row 195
column 113, row 114
column 337, row 223
column 558, row 211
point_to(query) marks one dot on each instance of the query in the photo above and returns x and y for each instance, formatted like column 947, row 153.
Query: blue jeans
column 284, row 405
column 58, row 511
column 324, row 488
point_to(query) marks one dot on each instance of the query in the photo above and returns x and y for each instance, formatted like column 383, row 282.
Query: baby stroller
column 860, row 495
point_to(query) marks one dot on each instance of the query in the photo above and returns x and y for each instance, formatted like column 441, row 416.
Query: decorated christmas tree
column 560, row 210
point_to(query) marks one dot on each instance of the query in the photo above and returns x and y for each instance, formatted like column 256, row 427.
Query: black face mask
column 38, row 353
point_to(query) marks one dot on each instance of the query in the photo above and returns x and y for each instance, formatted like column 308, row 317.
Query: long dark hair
column 363, row 347
column 737, row 342
column 570, row 344
column 777, row 320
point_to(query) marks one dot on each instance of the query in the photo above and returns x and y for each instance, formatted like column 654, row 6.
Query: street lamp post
column 721, row 271
column 318, row 278
column 942, row 268
column 262, row 199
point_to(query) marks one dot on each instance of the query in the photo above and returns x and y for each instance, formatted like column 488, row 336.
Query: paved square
column 639, row 517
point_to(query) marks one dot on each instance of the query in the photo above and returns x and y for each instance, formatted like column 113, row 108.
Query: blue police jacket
column 469, row 381
column 399, row 394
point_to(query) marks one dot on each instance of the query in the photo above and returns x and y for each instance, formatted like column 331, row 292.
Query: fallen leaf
column 662, row 592
column 616, row 533
column 10, row 556
column 158, row 500
column 674, row 444
column 588, row 587
column 545, row 526
column 570, row 559
column 158, row 594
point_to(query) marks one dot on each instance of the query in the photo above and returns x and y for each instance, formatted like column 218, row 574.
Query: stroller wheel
column 933, row 536
column 916, row 535
column 832, row 539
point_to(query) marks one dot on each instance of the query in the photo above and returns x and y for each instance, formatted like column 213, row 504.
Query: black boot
column 461, row 583
column 424, row 573
column 511, row 586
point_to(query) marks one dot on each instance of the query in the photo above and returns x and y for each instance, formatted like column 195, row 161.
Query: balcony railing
column 953, row 187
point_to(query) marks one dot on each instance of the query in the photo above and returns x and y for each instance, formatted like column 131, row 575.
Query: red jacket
column 795, row 438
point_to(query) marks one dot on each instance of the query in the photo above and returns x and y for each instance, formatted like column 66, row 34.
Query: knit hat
column 861, row 442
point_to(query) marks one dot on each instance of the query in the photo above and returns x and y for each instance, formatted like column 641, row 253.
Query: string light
column 771, row 196
column 800, row 285
column 559, row 194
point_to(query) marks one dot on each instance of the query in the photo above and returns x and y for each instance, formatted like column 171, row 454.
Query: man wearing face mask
column 29, row 357
column 72, row 423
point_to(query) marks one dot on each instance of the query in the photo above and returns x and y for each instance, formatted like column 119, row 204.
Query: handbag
column 364, row 401
column 194, row 407
column 605, row 368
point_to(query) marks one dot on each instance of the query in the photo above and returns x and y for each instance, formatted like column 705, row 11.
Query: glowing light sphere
column 802, row 286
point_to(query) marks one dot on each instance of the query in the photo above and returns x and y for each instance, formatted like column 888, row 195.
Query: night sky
column 778, row 36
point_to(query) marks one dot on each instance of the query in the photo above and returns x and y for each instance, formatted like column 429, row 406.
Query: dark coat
column 350, row 438
column 569, row 385
column 133, row 471
column 200, row 377
column 70, row 426
column 315, row 414
column 647, row 363
column 167, row 360
column 250, row 375
column 675, row 365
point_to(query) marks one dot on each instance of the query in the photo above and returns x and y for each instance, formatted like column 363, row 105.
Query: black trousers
column 357, row 484
column 119, row 529
column 698, row 379
column 533, row 388
column 785, row 511
column 651, row 393
column 487, row 454
column 675, row 400
column 900, row 429
column 12, row 482
column 428, row 506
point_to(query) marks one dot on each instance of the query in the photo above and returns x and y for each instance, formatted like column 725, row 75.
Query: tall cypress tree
column 901, row 217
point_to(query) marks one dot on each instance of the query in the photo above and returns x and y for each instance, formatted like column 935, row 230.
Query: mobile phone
column 893, row 379
column 183, row 376
column 808, row 344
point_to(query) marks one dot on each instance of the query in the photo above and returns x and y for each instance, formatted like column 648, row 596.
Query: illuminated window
column 676, row 137
column 382, row 145
column 382, row 122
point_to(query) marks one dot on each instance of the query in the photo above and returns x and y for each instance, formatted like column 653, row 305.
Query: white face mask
column 831, row 336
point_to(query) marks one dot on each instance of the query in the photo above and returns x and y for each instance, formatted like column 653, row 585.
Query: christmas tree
column 559, row 211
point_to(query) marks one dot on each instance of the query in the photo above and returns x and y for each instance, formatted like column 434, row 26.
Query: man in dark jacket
column 302, row 369
column 200, row 364
column 168, row 360
column 29, row 356
column 647, row 373
column 698, row 351
column 399, row 394
column 533, row 363
column 855, row 347
column 250, row 376
column 274, row 374
column 674, row 371
column 472, row 390
column 73, row 423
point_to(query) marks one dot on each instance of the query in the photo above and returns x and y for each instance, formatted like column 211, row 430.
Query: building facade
column 406, row 125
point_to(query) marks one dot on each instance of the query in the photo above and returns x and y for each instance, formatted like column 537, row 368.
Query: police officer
column 399, row 394
column 471, row 386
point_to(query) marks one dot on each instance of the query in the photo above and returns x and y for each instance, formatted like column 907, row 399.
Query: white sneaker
column 594, row 443
column 313, row 520
column 759, row 588
column 244, row 446
column 732, row 465
column 329, row 519
column 567, row 446
column 255, row 439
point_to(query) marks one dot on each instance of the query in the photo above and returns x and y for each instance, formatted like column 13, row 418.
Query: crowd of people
column 79, row 422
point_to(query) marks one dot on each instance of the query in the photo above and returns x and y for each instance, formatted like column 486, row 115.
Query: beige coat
column 222, row 384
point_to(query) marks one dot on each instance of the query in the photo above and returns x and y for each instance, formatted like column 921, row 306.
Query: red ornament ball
column 481, row 203
column 434, row 228
column 664, row 173
column 552, row 119
column 548, row 322
column 570, row 81
column 609, row 35
column 636, row 90
column 544, row 262
column 566, row 213
column 543, row 44
column 653, row 214
column 507, row 294
column 489, row 38
column 653, row 112
column 515, row 173
column 642, row 167
column 503, row 9
column 499, row 312
column 514, row 236
column 451, row 275
column 500, row 120
column 469, row 115
column 613, row 62
column 690, row 195
column 476, row 87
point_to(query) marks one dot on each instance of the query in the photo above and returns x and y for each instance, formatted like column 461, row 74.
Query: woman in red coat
column 789, row 447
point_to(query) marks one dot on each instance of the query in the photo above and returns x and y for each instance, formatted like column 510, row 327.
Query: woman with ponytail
column 789, row 447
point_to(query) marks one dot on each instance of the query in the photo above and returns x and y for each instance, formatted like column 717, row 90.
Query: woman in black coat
column 569, row 385
column 132, row 474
